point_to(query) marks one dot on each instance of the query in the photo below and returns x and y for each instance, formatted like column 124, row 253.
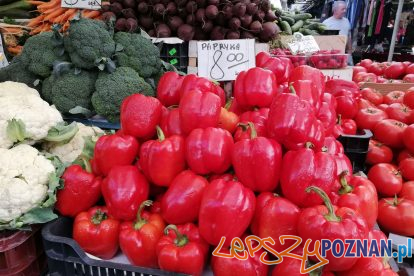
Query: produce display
column 322, row 59
column 198, row 20
column 381, row 72
column 303, row 23
column 87, row 82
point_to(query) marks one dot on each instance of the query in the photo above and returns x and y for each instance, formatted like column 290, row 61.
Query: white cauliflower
column 23, row 106
column 24, row 181
column 70, row 151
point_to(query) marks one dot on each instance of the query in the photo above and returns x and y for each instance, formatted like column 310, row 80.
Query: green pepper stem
column 253, row 132
column 243, row 126
column 160, row 134
column 228, row 104
column 292, row 89
column 309, row 145
column 331, row 214
column 140, row 220
column 180, row 240
column 98, row 217
column 346, row 188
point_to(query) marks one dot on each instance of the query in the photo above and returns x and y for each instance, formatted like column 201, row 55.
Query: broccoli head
column 70, row 89
column 138, row 53
column 112, row 88
column 39, row 53
column 88, row 41
column 16, row 71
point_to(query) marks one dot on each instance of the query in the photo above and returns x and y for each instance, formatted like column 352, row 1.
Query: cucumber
column 302, row 16
column 288, row 19
column 286, row 27
column 297, row 26
column 307, row 31
column 316, row 26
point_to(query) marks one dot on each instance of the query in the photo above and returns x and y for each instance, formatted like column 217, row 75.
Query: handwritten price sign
column 82, row 4
column 223, row 60
column 303, row 44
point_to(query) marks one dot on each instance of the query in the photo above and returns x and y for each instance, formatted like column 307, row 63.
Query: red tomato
column 399, row 112
column 395, row 71
column 365, row 77
column 358, row 69
column 386, row 179
column 381, row 80
column 409, row 78
column 372, row 95
column 377, row 69
column 394, row 97
column 367, row 118
column 346, row 107
column 407, row 190
column 407, row 169
column 378, row 153
column 408, row 138
column 410, row 69
column 404, row 154
column 362, row 103
column 409, row 98
column 396, row 215
column 390, row 132
column 366, row 63
column 383, row 107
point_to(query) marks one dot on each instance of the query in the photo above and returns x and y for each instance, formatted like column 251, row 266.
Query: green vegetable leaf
column 78, row 71
column 110, row 65
column 36, row 82
column 168, row 67
column 101, row 67
column 9, row 20
column 119, row 47
column 36, row 215
column 81, row 110
column 62, row 132
column 144, row 34
column 16, row 130
column 60, row 67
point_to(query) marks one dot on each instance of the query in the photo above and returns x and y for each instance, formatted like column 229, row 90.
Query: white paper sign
column 82, row 4
column 3, row 58
column 223, row 60
column 303, row 44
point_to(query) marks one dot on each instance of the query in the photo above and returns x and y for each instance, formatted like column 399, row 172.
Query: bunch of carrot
column 52, row 13
column 11, row 34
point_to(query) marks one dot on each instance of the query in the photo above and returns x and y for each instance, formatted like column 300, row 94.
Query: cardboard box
column 385, row 88
column 344, row 74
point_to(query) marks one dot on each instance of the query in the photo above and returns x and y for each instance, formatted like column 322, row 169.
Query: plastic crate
column 21, row 252
column 329, row 61
column 297, row 60
column 357, row 160
column 356, row 143
column 65, row 257
column 175, row 54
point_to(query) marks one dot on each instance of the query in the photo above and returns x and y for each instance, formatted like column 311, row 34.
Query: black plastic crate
column 175, row 54
column 65, row 257
column 356, row 143
column 357, row 160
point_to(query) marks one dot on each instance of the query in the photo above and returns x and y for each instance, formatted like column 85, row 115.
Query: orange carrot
column 11, row 30
column 65, row 26
column 15, row 50
column 55, row 14
column 90, row 14
column 35, row 21
column 36, row 3
column 49, row 5
column 69, row 13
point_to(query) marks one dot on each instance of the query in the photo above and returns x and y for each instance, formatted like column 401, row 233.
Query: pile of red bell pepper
column 187, row 169
column 390, row 155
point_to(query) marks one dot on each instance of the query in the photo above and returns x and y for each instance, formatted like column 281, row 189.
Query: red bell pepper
column 181, row 202
column 114, row 150
column 199, row 110
column 333, row 146
column 138, row 239
column 258, row 118
column 343, row 164
column 163, row 159
column 192, row 82
column 179, row 253
column 304, row 168
column 360, row 195
column 80, row 186
column 327, row 115
column 235, row 107
column 332, row 222
column 347, row 107
column 228, row 120
column 305, row 72
column 331, row 100
column 370, row 266
column 255, row 87
column 156, row 204
column 233, row 266
column 283, row 88
column 209, row 150
column 257, row 162
column 168, row 88
column 227, row 208
column 170, row 122
column 124, row 189
column 336, row 86
column 226, row 177
column 281, row 67
column 316, row 137
column 290, row 119
column 96, row 232
column 275, row 216
column 344, row 126
column 139, row 115
column 307, row 91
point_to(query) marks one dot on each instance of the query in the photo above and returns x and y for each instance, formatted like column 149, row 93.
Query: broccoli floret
column 138, row 53
column 16, row 71
column 70, row 89
column 88, row 41
column 112, row 88
column 39, row 53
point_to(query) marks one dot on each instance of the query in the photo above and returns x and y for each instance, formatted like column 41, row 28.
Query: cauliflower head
column 22, row 104
column 24, row 181
column 70, row 151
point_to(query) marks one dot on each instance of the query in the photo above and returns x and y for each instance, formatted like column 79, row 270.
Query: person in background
column 338, row 21
column 409, row 33
column 401, row 31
